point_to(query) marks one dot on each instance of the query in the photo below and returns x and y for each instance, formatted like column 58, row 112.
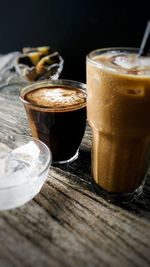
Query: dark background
column 72, row 27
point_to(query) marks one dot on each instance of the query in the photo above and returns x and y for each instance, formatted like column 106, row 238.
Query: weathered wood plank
column 67, row 224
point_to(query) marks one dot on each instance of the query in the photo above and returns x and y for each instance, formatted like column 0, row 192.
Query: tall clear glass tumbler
column 118, row 111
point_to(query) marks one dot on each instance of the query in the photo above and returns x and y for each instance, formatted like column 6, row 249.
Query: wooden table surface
column 67, row 224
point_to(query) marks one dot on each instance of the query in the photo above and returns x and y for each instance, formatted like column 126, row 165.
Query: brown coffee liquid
column 118, row 112
column 58, row 118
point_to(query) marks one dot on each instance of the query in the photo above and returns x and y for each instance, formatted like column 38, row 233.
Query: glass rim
column 50, row 83
column 90, row 55
column 90, row 59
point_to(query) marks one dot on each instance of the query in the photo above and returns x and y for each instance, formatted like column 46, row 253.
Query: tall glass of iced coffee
column 118, row 110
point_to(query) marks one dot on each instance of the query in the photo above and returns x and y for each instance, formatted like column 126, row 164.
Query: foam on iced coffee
column 127, row 63
column 57, row 97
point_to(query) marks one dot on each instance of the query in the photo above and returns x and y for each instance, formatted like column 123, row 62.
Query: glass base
column 75, row 156
column 117, row 198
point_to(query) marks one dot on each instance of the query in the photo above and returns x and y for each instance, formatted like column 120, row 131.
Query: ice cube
column 16, row 178
column 144, row 61
column 12, row 172
column 4, row 149
column 20, row 165
column 124, row 61
column 30, row 152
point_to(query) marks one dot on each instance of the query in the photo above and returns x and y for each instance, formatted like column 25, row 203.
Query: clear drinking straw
column 145, row 44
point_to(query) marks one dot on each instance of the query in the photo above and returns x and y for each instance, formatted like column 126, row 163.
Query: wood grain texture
column 67, row 224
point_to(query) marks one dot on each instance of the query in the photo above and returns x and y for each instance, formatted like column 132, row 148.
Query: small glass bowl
column 13, row 196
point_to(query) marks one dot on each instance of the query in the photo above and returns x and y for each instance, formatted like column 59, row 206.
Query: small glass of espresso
column 56, row 111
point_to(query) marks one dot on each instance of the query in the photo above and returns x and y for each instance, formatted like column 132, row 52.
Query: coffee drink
column 118, row 108
column 57, row 116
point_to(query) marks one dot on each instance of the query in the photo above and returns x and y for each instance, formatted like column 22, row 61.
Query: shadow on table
column 81, row 168
column 141, row 205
